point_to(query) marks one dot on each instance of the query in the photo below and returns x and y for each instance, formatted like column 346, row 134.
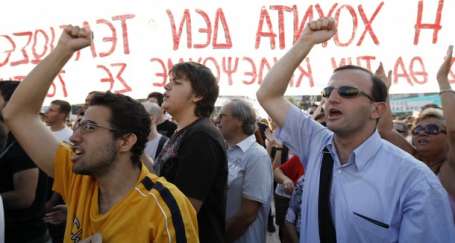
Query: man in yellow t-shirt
column 107, row 189
column 153, row 211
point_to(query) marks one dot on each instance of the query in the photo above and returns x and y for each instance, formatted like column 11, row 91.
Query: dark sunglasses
column 345, row 92
column 429, row 129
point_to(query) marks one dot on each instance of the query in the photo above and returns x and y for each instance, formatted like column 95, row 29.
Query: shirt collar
column 367, row 150
column 246, row 143
column 364, row 152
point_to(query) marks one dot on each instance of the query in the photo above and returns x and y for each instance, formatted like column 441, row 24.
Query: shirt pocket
column 372, row 227
column 235, row 173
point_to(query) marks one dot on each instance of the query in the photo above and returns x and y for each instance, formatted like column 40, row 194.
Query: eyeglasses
column 345, row 92
column 429, row 129
column 88, row 126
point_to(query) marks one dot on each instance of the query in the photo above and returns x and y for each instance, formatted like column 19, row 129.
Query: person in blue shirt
column 250, row 180
column 358, row 187
column 433, row 135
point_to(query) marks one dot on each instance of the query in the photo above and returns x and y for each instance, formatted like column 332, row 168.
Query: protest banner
column 137, row 42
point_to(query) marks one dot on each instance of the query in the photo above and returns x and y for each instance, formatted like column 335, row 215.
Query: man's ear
column 127, row 141
column 378, row 110
column 195, row 98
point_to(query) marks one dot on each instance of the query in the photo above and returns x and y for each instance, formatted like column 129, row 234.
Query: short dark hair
column 7, row 88
column 203, row 83
column 94, row 92
column 63, row 107
column 158, row 96
column 379, row 91
column 127, row 116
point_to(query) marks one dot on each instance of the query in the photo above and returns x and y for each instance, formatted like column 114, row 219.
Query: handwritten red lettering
column 281, row 30
column 162, row 74
column 186, row 20
column 417, row 69
column 25, row 59
column 351, row 11
column 368, row 24
column 436, row 26
column 8, row 52
column 112, row 38
column 38, row 56
column 220, row 19
column 228, row 68
column 207, row 29
column 123, row 18
column 252, row 73
column 399, row 71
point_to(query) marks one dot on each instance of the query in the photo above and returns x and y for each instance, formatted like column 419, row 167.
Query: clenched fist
column 319, row 30
column 74, row 38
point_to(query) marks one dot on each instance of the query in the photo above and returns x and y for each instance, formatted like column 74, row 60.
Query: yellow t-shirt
column 153, row 211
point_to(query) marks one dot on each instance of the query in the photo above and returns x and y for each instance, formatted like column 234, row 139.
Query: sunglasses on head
column 345, row 92
column 429, row 129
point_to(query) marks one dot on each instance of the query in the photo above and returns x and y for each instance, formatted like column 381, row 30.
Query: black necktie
column 327, row 233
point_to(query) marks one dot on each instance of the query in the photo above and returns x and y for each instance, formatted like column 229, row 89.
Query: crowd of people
column 174, row 169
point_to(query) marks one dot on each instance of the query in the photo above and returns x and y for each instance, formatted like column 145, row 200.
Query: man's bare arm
column 271, row 93
column 21, row 112
column 447, row 171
